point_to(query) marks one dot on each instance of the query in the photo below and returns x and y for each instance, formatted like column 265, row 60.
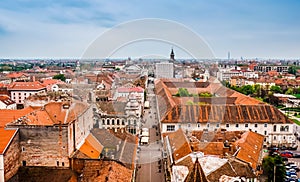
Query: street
column 149, row 165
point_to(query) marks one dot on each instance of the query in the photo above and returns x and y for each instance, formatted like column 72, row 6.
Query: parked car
column 296, row 156
column 286, row 154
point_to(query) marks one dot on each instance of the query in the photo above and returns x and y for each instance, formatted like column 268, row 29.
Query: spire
column 172, row 55
column 196, row 174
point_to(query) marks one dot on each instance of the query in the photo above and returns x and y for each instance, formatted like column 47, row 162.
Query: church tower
column 172, row 55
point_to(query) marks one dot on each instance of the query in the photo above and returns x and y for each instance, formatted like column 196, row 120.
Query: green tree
column 275, row 89
column 289, row 91
column 257, row 90
column 268, row 167
column 183, row 92
column 292, row 70
column 247, row 89
column 60, row 77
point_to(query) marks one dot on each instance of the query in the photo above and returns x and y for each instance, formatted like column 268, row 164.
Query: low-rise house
column 18, row 77
column 19, row 91
column 63, row 88
column 7, row 103
column 125, row 92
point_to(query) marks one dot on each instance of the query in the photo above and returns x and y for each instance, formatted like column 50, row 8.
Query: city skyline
column 64, row 29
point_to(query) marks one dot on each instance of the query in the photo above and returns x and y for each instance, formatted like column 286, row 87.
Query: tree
column 268, row 167
column 275, row 89
column 247, row 89
column 292, row 70
column 289, row 91
column 183, row 92
column 257, row 90
column 60, row 77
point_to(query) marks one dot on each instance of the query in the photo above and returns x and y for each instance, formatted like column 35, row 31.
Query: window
column 265, row 132
column 198, row 125
column 23, row 163
column 57, row 163
column 189, row 124
column 108, row 122
column 103, row 121
column 179, row 126
column 255, row 125
column 170, row 127
column 134, row 122
column 274, row 128
column 123, row 122
column 118, row 122
column 284, row 128
column 63, row 164
column 207, row 125
column 274, row 137
column 236, row 125
column 113, row 122
column 227, row 125
column 23, row 149
column 246, row 125
column 217, row 125
column 265, row 125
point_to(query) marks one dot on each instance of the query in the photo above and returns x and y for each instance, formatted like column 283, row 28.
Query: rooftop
column 6, row 100
column 26, row 86
column 6, row 136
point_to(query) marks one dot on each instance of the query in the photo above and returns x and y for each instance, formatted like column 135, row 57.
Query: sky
column 66, row 28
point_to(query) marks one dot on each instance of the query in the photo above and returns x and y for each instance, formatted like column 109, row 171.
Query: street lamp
column 275, row 170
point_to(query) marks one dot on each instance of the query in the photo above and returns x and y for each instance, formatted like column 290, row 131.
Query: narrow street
column 149, row 165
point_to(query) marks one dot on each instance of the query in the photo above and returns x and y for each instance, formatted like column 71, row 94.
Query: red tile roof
column 51, row 82
column 26, row 86
column 53, row 113
column 8, row 115
column 16, row 75
column 128, row 90
column 250, row 145
column 6, row 137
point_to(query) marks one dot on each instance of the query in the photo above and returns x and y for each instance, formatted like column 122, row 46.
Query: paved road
column 150, row 167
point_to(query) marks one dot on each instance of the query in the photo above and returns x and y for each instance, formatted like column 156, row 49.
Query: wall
column 267, row 130
column 83, row 125
column 44, row 146
column 1, row 169
column 12, row 158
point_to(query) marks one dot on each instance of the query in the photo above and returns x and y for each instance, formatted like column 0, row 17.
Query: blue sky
column 61, row 29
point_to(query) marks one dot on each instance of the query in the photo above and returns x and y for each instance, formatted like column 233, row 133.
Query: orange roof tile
column 91, row 147
column 8, row 115
column 26, row 86
column 250, row 145
column 179, row 144
column 16, row 75
column 53, row 113
column 6, row 136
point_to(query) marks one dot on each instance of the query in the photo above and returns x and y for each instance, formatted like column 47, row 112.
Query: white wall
column 1, row 168
column 281, row 136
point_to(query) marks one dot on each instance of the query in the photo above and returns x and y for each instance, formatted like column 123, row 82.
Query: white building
column 125, row 92
column 164, row 70
column 19, row 91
